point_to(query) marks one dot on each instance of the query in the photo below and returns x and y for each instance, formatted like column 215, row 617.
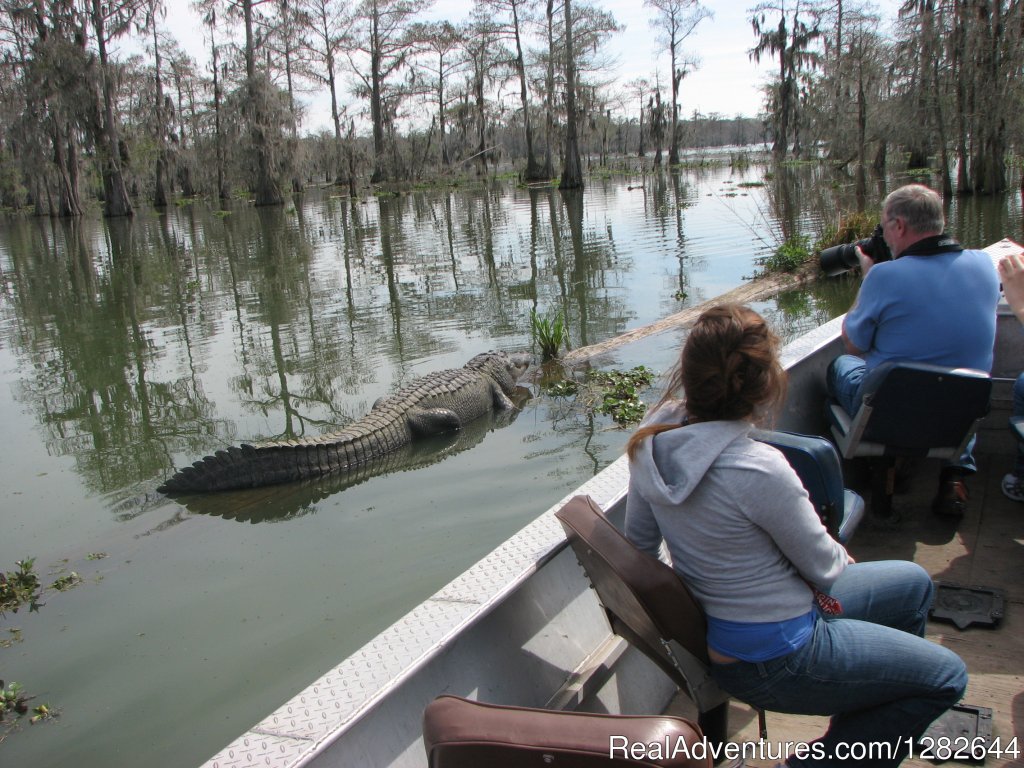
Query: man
column 935, row 302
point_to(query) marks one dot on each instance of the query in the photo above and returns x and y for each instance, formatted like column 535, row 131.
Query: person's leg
column 843, row 380
column 871, row 669
column 883, row 687
column 893, row 593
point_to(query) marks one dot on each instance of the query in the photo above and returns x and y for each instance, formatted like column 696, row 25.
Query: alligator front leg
column 502, row 402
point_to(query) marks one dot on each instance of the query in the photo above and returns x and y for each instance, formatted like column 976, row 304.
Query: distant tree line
column 946, row 90
column 526, row 83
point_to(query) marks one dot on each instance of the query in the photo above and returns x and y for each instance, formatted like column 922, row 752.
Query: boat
column 524, row 627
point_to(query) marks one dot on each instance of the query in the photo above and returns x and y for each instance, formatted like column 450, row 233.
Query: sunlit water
column 130, row 349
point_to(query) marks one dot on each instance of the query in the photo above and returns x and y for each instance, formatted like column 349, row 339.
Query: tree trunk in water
column 533, row 169
column 380, row 172
column 878, row 164
column 222, row 186
column 267, row 190
column 940, row 123
column 549, row 82
column 116, row 201
column 65, row 160
column 159, row 189
column 572, row 176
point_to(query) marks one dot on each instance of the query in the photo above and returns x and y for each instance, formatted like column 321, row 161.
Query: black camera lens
column 838, row 259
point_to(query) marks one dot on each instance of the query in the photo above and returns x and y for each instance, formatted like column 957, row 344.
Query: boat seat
column 912, row 410
column 648, row 604
column 817, row 463
column 461, row 733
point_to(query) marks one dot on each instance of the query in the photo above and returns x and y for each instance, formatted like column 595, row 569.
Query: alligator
column 439, row 403
column 278, row 503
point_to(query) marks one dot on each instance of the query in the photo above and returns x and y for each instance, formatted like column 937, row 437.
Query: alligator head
column 504, row 367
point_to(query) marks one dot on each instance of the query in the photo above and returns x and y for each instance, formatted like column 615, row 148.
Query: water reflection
column 80, row 307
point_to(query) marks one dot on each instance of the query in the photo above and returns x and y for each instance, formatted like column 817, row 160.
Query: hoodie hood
column 684, row 455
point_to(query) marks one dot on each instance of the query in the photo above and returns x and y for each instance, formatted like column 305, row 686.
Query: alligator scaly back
column 437, row 403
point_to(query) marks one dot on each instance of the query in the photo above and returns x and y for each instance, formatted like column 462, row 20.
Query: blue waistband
column 759, row 641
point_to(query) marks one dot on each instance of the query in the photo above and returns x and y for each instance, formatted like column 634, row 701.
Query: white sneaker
column 1013, row 487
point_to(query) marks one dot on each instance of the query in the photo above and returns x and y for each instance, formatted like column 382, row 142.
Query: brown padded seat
column 461, row 733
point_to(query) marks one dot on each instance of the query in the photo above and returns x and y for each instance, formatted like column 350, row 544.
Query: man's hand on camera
column 866, row 262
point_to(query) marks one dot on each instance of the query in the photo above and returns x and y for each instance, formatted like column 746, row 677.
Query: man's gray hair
column 918, row 206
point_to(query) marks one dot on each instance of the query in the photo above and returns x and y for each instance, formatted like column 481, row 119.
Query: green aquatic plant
column 622, row 389
column 612, row 393
column 14, row 704
column 549, row 333
column 562, row 388
column 66, row 582
column 788, row 257
column 19, row 587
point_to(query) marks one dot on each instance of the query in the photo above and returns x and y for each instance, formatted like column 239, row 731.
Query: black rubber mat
column 963, row 734
column 966, row 605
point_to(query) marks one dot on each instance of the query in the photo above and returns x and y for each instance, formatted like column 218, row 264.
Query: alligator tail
column 250, row 466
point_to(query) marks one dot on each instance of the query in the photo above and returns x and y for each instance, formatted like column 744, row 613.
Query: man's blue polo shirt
column 937, row 309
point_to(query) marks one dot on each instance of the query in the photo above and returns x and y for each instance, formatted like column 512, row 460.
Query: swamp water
column 131, row 348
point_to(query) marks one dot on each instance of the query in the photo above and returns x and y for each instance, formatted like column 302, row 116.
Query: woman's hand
column 1011, row 273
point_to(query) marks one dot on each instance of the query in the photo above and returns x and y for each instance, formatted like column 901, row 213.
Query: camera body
column 840, row 258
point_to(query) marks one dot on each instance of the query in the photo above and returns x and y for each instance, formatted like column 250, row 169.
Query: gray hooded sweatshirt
column 738, row 524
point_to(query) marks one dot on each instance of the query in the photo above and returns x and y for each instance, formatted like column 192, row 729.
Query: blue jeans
column 870, row 669
column 844, row 378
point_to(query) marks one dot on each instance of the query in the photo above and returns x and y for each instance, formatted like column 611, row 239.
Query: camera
column 839, row 258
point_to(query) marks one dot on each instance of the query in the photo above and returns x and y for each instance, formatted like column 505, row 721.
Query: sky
column 726, row 81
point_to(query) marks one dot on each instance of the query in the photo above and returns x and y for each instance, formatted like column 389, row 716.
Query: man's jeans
column 844, row 378
column 870, row 669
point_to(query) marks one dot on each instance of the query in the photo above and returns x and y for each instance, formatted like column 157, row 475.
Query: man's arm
column 851, row 348
column 866, row 263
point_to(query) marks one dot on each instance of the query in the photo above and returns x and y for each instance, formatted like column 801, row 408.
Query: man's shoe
column 1013, row 487
column 951, row 500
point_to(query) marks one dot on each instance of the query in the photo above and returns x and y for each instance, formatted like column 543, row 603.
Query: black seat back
column 921, row 406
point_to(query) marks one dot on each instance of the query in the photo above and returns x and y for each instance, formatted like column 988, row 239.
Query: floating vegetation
column 14, row 703
column 612, row 393
column 621, row 398
column 42, row 712
column 19, row 587
column 12, row 699
column 66, row 582
column 562, row 388
column 15, row 637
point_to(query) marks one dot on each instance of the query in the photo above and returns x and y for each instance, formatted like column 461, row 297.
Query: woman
column 742, row 533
